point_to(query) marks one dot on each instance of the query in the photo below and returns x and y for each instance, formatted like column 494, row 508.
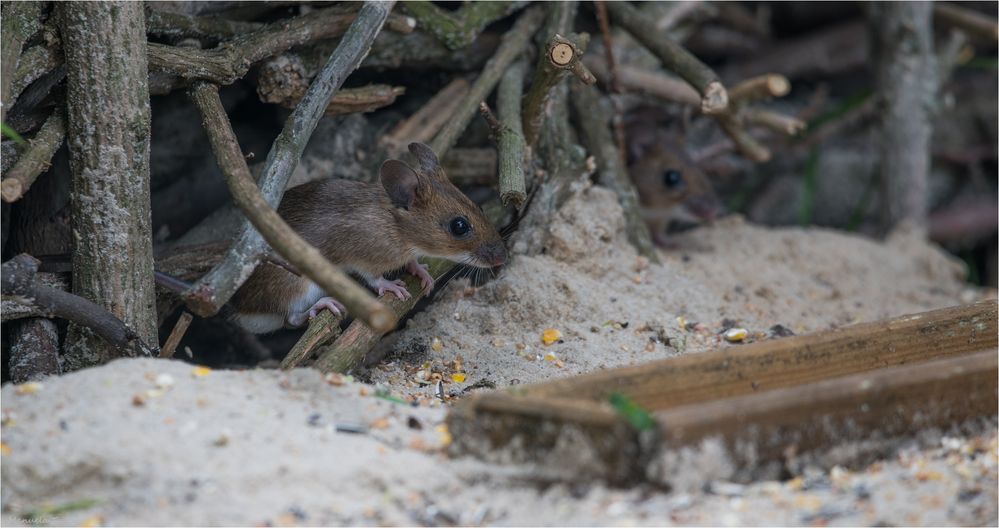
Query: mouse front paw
column 420, row 271
column 396, row 287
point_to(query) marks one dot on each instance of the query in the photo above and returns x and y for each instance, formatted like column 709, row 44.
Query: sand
column 156, row 442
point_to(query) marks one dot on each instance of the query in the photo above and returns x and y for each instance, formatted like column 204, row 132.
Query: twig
column 714, row 98
column 18, row 279
column 35, row 62
column 35, row 159
column 617, row 121
column 656, row 84
column 322, row 329
column 562, row 56
column 745, row 143
column 428, row 120
column 459, row 29
column 511, row 147
column 593, row 119
column 231, row 60
column 471, row 166
column 219, row 285
column 977, row 25
column 514, row 43
column 176, row 26
column 19, row 22
column 906, row 80
column 176, row 335
column 283, row 80
column 271, row 226
column 787, row 125
column 824, row 52
column 756, row 88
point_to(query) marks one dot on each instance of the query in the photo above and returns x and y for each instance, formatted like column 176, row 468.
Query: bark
column 20, row 20
column 34, row 349
column 108, row 129
column 906, row 80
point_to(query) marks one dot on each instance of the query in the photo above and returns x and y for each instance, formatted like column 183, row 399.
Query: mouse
column 670, row 185
column 370, row 229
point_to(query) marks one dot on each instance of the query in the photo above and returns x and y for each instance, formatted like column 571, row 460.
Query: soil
column 159, row 442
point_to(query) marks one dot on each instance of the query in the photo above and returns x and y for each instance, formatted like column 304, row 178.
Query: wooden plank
column 778, row 363
column 877, row 406
column 765, row 402
column 563, row 439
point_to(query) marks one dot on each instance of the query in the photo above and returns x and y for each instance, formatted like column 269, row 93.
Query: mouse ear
column 425, row 155
column 400, row 182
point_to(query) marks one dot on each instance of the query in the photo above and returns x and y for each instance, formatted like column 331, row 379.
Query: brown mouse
column 671, row 187
column 370, row 229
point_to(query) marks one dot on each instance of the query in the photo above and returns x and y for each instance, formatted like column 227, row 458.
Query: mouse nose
column 494, row 254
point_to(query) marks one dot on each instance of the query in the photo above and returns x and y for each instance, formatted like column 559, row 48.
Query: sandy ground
column 156, row 442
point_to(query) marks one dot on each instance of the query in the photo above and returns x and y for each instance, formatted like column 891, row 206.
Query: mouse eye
column 672, row 179
column 459, row 227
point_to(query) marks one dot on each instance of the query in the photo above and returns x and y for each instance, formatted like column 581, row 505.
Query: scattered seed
column 551, row 335
column 735, row 335
column 30, row 387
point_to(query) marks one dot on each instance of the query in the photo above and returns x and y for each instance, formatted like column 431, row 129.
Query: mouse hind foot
column 297, row 319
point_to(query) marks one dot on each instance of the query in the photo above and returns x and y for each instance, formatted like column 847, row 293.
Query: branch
column 561, row 56
column 34, row 63
column 283, row 80
column 714, row 98
column 977, row 25
column 306, row 258
column 593, row 120
column 18, row 279
column 428, row 120
column 906, row 79
column 108, row 137
column 762, row 87
column 35, row 159
column 511, row 147
column 514, row 43
column 176, row 26
column 460, row 28
column 218, row 286
column 179, row 329
column 19, row 22
column 231, row 60
column 322, row 329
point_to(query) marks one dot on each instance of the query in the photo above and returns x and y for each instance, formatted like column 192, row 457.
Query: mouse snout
column 706, row 210
column 492, row 253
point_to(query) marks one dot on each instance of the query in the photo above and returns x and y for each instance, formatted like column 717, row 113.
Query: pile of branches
column 81, row 74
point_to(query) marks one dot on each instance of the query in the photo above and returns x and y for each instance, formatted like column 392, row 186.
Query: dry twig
column 18, row 279
column 35, row 159
column 714, row 97
column 513, row 44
